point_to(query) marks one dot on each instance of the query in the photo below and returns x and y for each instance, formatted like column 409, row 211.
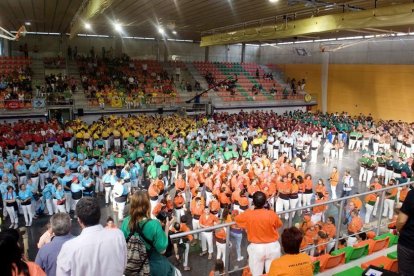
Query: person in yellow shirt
column 292, row 263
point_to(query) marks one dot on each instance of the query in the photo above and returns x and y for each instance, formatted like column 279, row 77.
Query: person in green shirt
column 152, row 230
column 152, row 171
column 165, row 172
column 363, row 161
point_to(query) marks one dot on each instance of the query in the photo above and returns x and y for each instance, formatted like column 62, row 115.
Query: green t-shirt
column 164, row 168
column 152, row 231
column 152, row 171
column 119, row 161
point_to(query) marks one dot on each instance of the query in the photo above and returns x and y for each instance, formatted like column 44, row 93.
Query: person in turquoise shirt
column 47, row 193
column 25, row 196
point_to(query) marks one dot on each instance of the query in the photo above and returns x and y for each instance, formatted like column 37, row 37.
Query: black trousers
column 405, row 260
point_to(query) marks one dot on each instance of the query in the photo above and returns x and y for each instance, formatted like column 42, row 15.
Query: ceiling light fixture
column 161, row 30
column 118, row 27
column 174, row 32
column 88, row 26
column 27, row 23
column 273, row 1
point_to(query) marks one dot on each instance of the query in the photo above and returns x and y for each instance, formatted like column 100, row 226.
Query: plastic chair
column 384, row 262
column 316, row 267
column 353, row 271
column 393, row 238
column 393, row 255
column 328, row 261
column 378, row 245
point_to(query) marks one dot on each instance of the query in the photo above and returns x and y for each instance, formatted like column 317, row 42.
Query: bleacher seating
column 10, row 64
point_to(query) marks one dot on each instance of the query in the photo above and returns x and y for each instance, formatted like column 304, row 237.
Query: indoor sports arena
column 206, row 137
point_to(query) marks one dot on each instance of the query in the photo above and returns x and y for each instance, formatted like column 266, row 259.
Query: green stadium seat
column 393, row 255
column 316, row 267
column 393, row 238
column 352, row 253
column 353, row 271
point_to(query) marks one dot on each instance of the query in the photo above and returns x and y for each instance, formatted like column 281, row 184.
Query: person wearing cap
column 262, row 227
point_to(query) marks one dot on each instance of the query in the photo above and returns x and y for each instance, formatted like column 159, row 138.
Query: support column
column 157, row 49
column 206, row 54
column 166, row 53
column 226, row 52
column 117, row 46
column 259, row 54
column 324, row 81
column 243, row 52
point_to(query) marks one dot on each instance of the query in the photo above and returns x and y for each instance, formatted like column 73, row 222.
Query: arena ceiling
column 190, row 19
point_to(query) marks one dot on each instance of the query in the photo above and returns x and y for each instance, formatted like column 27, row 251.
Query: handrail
column 183, row 234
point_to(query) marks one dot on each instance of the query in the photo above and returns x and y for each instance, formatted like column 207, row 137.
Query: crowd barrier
column 340, row 203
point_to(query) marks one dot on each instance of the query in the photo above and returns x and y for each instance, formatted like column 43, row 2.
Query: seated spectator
column 293, row 262
column 11, row 256
column 46, row 258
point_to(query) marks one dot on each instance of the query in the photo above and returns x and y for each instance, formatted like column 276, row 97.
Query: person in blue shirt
column 21, row 171
column 88, row 183
column 81, row 156
column 76, row 190
column 44, row 167
column 126, row 176
column 73, row 164
column 47, row 193
column 9, row 175
column 36, row 153
column 59, row 199
column 3, row 190
column 82, row 167
column 54, row 165
column 66, row 182
column 10, row 198
column 134, row 172
column 90, row 162
column 61, row 170
column 57, row 149
column 109, row 162
column 34, row 172
column 25, row 196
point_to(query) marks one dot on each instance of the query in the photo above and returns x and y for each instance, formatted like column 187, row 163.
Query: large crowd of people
column 199, row 172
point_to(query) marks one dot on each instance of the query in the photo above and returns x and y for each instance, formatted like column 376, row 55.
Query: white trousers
column 369, row 208
column 282, row 204
column 333, row 191
column 50, row 206
column 59, row 208
column 317, row 217
column 293, row 202
column 42, row 179
column 221, row 251
column 314, row 156
column 107, row 195
column 351, row 144
column 376, row 207
column 121, row 207
column 340, row 153
column 362, row 174
column 381, row 171
column 261, row 256
column 388, row 176
column 207, row 242
column 13, row 215
column 27, row 212
column 68, row 203
column 307, row 199
column 300, row 201
column 388, row 208
column 369, row 177
column 196, row 225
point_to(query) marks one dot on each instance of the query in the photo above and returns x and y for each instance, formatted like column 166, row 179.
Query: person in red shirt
column 262, row 227
column 207, row 220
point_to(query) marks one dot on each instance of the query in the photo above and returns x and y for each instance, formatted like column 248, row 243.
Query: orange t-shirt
column 220, row 234
column 292, row 264
column 180, row 184
column 208, row 220
column 197, row 210
column 153, row 190
column 370, row 199
column 178, row 201
column 334, row 178
column 214, row 205
column 357, row 202
column 261, row 225
column 330, row 229
column 355, row 225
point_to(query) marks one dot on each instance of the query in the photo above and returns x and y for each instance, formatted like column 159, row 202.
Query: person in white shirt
column 96, row 251
column 348, row 183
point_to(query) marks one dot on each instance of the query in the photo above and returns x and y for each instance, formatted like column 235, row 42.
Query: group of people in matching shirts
column 206, row 168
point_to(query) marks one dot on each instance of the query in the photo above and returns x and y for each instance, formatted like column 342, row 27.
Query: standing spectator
column 96, row 251
column 334, row 179
column 405, row 225
column 262, row 232
column 348, row 183
column 12, row 262
column 47, row 256
column 293, row 262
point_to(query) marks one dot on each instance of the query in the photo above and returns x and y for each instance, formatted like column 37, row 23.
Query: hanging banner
column 39, row 103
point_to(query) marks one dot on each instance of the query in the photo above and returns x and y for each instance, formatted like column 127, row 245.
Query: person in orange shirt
column 182, row 228
column 161, row 186
column 253, row 188
column 357, row 202
column 389, row 203
column 356, row 223
column 362, row 240
column 179, row 205
column 180, row 183
column 307, row 196
column 370, row 201
column 318, row 211
column 218, row 269
column 330, row 229
column 243, row 201
column 293, row 263
column 220, row 235
column 262, row 227
column 376, row 186
column 214, row 206
column 223, row 199
column 321, row 241
column 207, row 220
column 282, row 202
column 209, row 184
column 153, row 192
column 301, row 191
column 320, row 187
column 334, row 179
column 293, row 196
column 161, row 206
column 196, row 209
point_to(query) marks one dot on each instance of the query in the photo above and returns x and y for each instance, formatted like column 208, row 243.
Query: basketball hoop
column 8, row 35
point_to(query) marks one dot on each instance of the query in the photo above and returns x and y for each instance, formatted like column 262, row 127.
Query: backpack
column 137, row 255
